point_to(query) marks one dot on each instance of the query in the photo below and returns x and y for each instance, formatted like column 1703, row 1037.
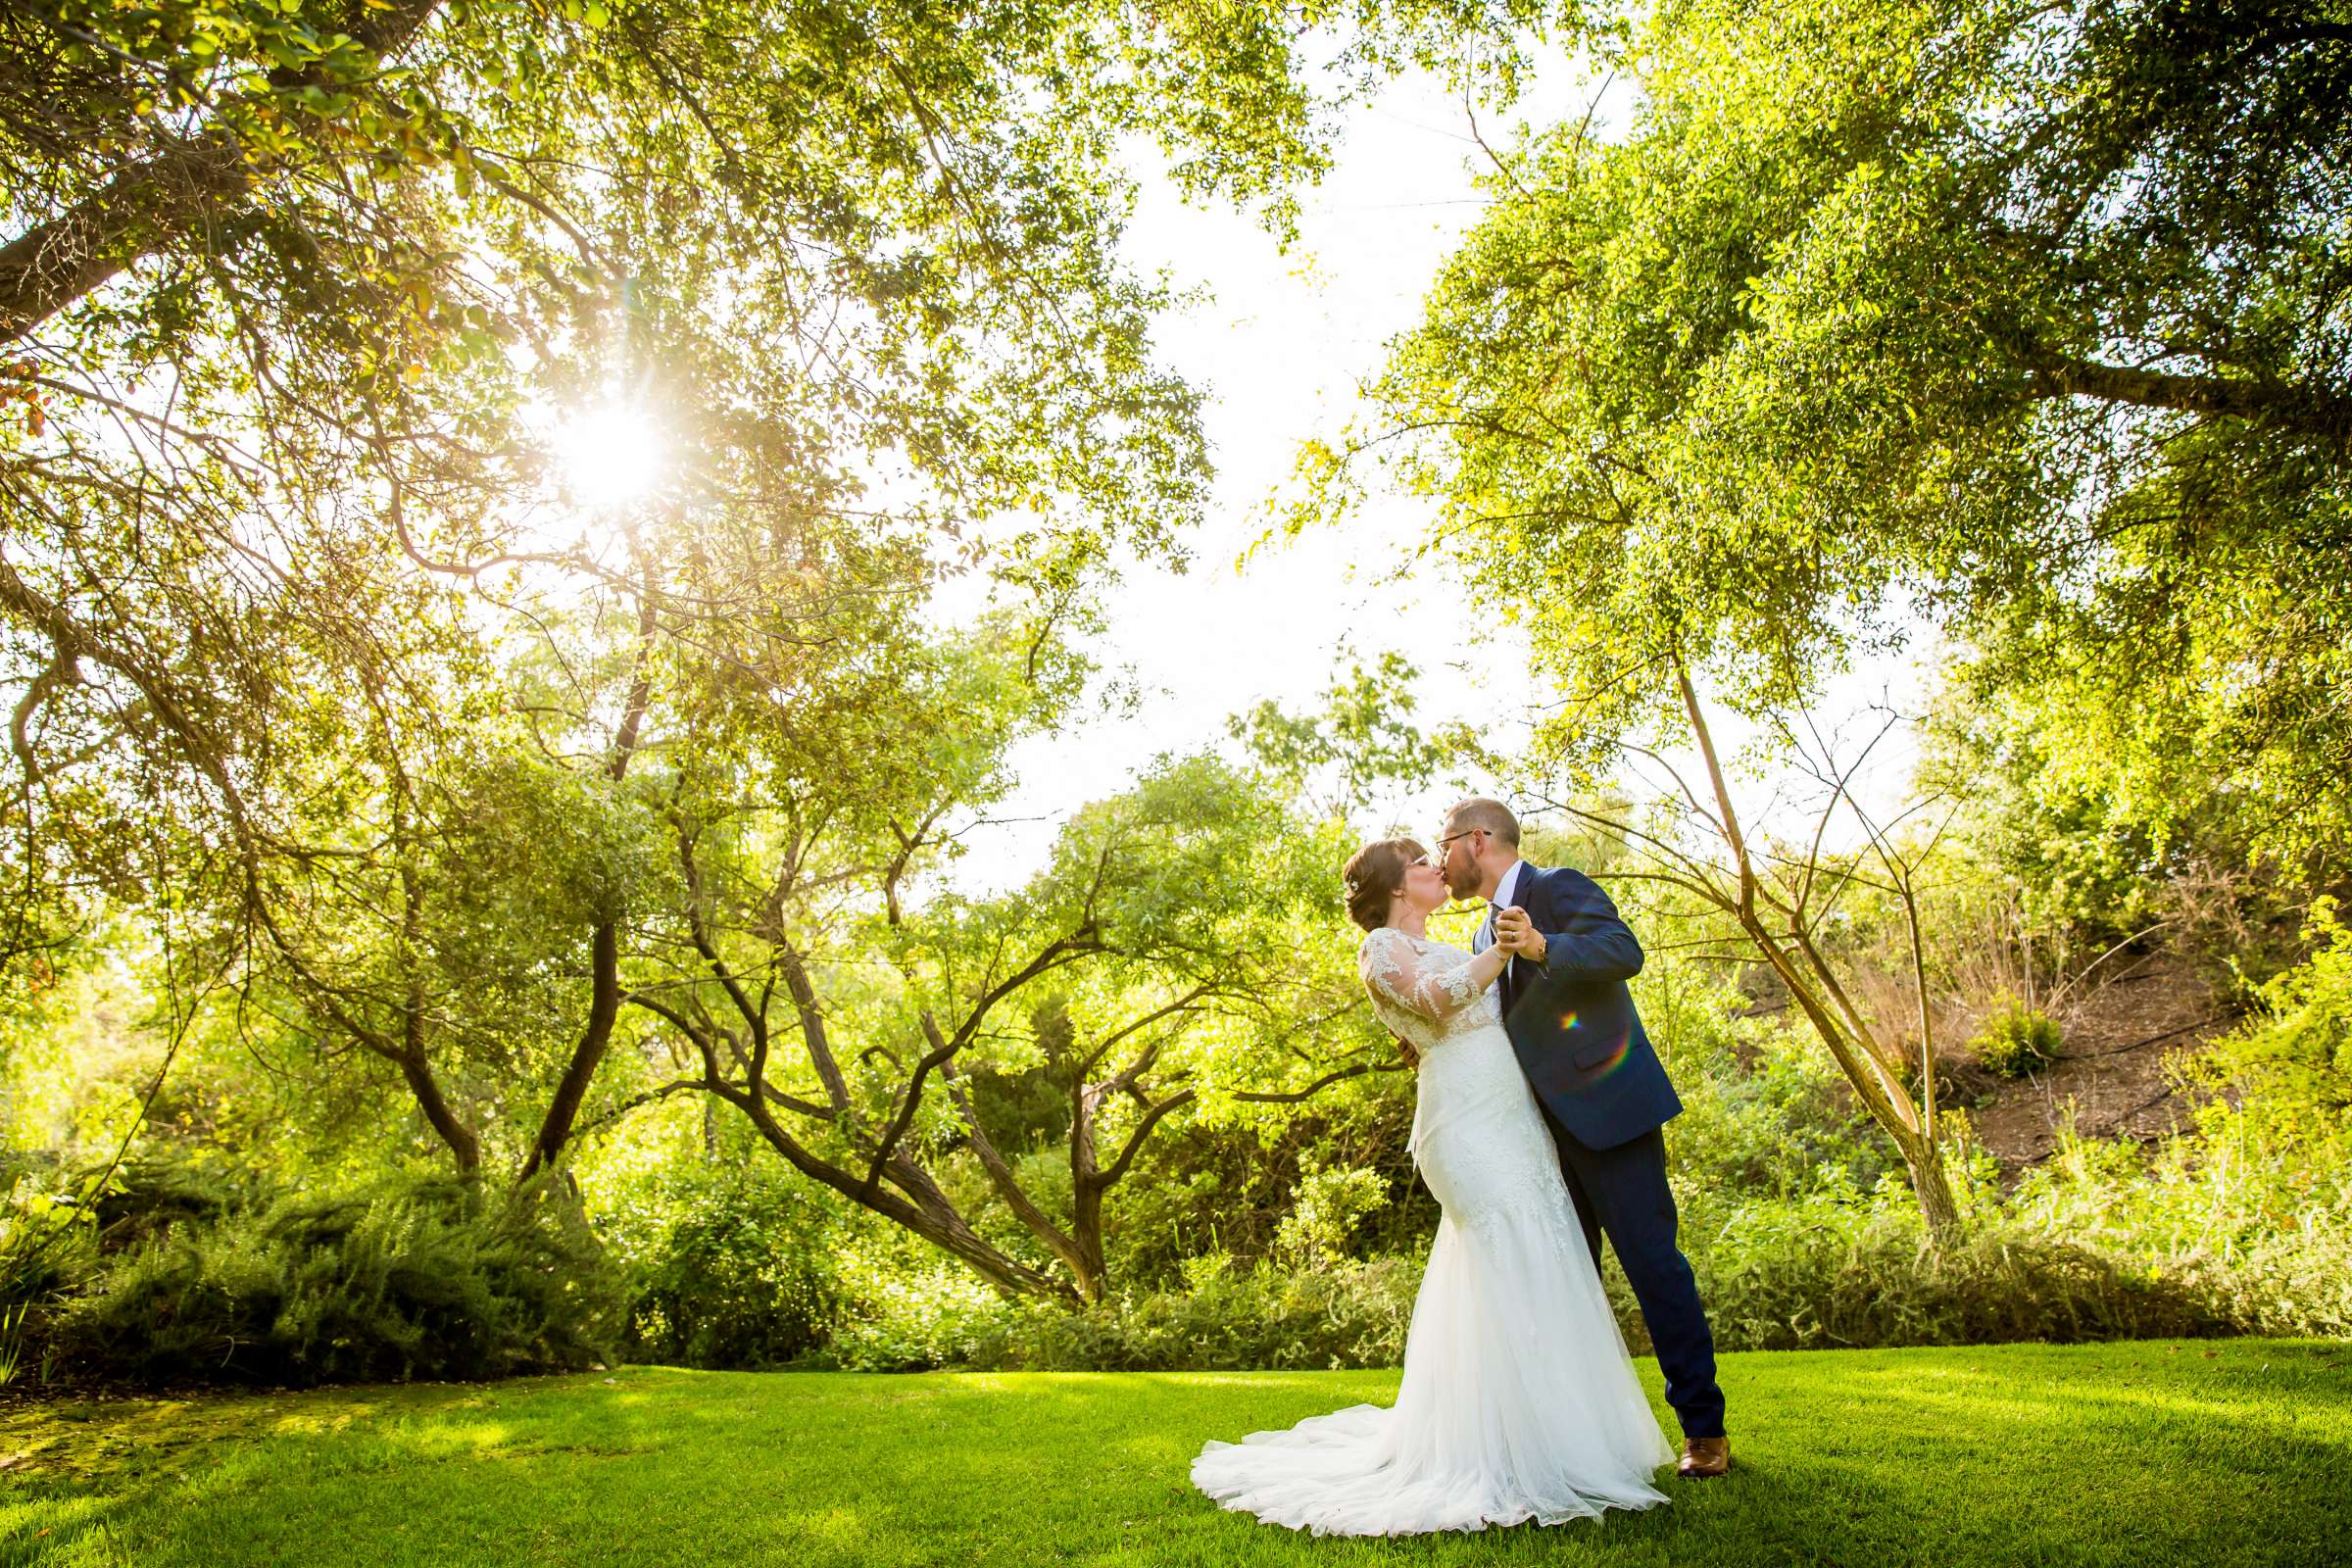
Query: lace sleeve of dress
column 1396, row 971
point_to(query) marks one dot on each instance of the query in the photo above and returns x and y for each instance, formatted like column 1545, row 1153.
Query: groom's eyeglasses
column 1435, row 860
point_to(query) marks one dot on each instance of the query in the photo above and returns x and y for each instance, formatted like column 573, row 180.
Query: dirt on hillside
column 2118, row 1033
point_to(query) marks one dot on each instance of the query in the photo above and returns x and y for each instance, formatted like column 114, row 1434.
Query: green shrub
column 1765, row 1114
column 2292, row 1059
column 898, row 1319
column 1212, row 1188
column 409, row 1279
column 1816, row 1274
column 48, row 1244
column 1793, row 1283
column 1799, row 1286
column 741, row 1279
column 150, row 1196
column 1262, row 1318
column 2014, row 1039
column 1326, row 1210
column 734, row 1265
column 45, row 1232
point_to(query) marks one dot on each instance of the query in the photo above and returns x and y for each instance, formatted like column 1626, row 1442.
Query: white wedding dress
column 1519, row 1401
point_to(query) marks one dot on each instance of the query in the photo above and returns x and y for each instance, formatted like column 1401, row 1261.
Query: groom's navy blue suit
column 1581, row 1042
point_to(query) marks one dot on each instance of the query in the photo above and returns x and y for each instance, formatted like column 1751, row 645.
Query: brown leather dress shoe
column 1705, row 1459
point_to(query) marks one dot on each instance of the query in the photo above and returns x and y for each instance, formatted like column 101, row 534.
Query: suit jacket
column 1571, row 1020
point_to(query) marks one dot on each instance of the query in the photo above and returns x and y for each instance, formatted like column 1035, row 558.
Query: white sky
column 1280, row 350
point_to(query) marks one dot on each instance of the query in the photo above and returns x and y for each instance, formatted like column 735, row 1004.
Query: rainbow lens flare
column 1615, row 1058
column 1571, row 1023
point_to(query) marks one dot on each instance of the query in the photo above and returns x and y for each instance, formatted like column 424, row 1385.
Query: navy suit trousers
column 1622, row 1193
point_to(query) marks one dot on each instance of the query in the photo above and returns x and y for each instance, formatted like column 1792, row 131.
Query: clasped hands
column 1517, row 935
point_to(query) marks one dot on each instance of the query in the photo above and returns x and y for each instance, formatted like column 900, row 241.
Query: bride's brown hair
column 1374, row 875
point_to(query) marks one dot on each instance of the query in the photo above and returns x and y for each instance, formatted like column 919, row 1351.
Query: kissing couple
column 1538, row 1126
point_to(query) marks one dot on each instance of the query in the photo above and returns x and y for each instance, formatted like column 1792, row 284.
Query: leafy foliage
column 1265, row 1317
column 739, row 1278
column 1793, row 1283
column 2293, row 1059
column 2029, row 318
column 416, row 1278
column 2015, row 1039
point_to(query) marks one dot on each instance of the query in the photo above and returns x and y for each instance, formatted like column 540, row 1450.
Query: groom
column 1581, row 1043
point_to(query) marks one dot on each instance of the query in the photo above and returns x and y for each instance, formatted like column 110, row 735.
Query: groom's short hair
column 1480, row 812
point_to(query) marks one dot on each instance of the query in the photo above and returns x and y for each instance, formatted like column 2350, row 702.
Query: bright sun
column 610, row 456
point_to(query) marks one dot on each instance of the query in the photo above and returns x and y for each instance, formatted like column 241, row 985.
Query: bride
column 1518, row 1400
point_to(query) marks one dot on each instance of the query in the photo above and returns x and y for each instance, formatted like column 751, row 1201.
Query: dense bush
column 740, row 1278
column 1230, row 1319
column 2014, row 1040
column 1875, row 1282
column 149, row 1196
column 1800, row 1278
column 733, row 1265
column 2292, row 1061
column 408, row 1279
column 1767, row 1117
column 901, row 1318
column 48, row 1243
column 46, row 1232
column 1239, row 1187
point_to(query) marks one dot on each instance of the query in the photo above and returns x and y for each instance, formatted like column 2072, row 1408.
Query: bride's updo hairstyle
column 1374, row 875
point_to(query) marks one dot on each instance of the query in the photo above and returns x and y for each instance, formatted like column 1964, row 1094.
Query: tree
column 298, row 299
column 2029, row 318
column 1176, row 952
column 2026, row 318
column 1781, row 900
column 1364, row 741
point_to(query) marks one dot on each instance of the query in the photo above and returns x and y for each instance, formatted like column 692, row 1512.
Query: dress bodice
column 1423, row 990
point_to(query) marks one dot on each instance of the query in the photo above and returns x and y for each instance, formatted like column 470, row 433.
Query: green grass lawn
column 2239, row 1452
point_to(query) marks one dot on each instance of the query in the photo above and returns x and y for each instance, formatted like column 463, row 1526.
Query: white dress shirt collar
column 1502, row 892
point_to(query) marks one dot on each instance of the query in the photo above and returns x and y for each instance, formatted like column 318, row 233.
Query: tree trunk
column 604, row 940
column 414, row 1066
column 571, row 1091
column 442, row 1118
column 1824, row 1004
column 1087, row 1187
column 1932, row 1183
